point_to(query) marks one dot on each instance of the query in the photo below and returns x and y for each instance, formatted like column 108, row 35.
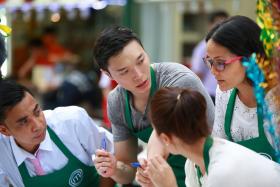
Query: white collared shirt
column 75, row 129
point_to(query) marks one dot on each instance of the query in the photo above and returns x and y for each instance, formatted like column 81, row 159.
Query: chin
column 224, row 88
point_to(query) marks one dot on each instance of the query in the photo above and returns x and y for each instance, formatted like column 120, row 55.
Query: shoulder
column 175, row 74
column 116, row 97
column 116, row 93
column 228, row 158
column 65, row 115
column 222, row 97
column 5, row 145
column 170, row 67
column 241, row 164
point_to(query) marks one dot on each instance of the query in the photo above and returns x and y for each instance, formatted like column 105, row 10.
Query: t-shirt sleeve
column 116, row 111
column 177, row 75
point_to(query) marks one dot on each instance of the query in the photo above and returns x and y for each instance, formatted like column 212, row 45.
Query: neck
column 31, row 150
column 140, row 101
column 246, row 94
column 194, row 152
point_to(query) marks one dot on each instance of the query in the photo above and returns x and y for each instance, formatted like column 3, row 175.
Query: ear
column 4, row 130
column 166, row 140
column 106, row 73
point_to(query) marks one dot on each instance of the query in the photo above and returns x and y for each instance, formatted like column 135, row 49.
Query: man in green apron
column 120, row 54
column 50, row 148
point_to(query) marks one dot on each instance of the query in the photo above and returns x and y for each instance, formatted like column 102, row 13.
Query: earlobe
column 4, row 130
column 165, row 139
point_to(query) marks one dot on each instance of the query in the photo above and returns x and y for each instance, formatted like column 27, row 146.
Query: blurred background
column 50, row 48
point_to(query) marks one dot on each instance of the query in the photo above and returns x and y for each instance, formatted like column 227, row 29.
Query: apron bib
column 73, row 174
column 176, row 162
column 259, row 144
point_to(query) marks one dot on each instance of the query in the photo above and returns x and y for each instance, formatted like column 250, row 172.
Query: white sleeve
column 191, row 176
column 5, row 180
column 91, row 135
column 9, row 173
column 219, row 121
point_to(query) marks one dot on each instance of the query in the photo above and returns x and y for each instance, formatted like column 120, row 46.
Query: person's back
column 232, row 165
column 212, row 162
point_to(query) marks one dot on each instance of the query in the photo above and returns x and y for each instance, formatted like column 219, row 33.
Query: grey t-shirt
column 167, row 75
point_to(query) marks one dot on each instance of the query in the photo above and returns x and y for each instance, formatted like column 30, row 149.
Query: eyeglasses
column 219, row 65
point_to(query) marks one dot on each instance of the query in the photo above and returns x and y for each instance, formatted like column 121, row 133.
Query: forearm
column 124, row 173
column 155, row 147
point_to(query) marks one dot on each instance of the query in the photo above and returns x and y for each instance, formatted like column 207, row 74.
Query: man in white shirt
column 50, row 148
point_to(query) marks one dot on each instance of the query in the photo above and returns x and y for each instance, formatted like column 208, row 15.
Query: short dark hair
column 11, row 93
column 213, row 16
column 239, row 34
column 111, row 42
column 180, row 112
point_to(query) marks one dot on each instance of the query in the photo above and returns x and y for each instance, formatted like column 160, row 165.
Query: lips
column 142, row 84
column 39, row 135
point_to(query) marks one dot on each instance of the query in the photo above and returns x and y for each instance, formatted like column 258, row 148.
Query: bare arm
column 155, row 147
column 126, row 152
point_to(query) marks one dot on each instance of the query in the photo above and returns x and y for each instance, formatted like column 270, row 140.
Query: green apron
column 73, row 174
column 259, row 144
column 176, row 162
column 207, row 145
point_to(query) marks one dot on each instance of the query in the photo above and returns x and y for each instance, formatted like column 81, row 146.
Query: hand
column 105, row 163
column 141, row 177
column 160, row 173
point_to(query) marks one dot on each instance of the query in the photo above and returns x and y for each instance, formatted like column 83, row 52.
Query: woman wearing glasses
column 236, row 118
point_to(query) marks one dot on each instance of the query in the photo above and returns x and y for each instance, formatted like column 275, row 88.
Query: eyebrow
column 121, row 69
column 137, row 59
column 25, row 117
column 140, row 56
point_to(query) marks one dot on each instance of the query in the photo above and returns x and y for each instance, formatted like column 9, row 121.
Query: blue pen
column 104, row 143
column 135, row 164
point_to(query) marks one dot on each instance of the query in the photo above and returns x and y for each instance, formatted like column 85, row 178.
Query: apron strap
column 206, row 148
column 207, row 145
column 229, row 112
column 60, row 145
column 127, row 113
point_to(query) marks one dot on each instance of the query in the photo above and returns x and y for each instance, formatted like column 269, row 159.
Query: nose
column 137, row 74
column 36, row 123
